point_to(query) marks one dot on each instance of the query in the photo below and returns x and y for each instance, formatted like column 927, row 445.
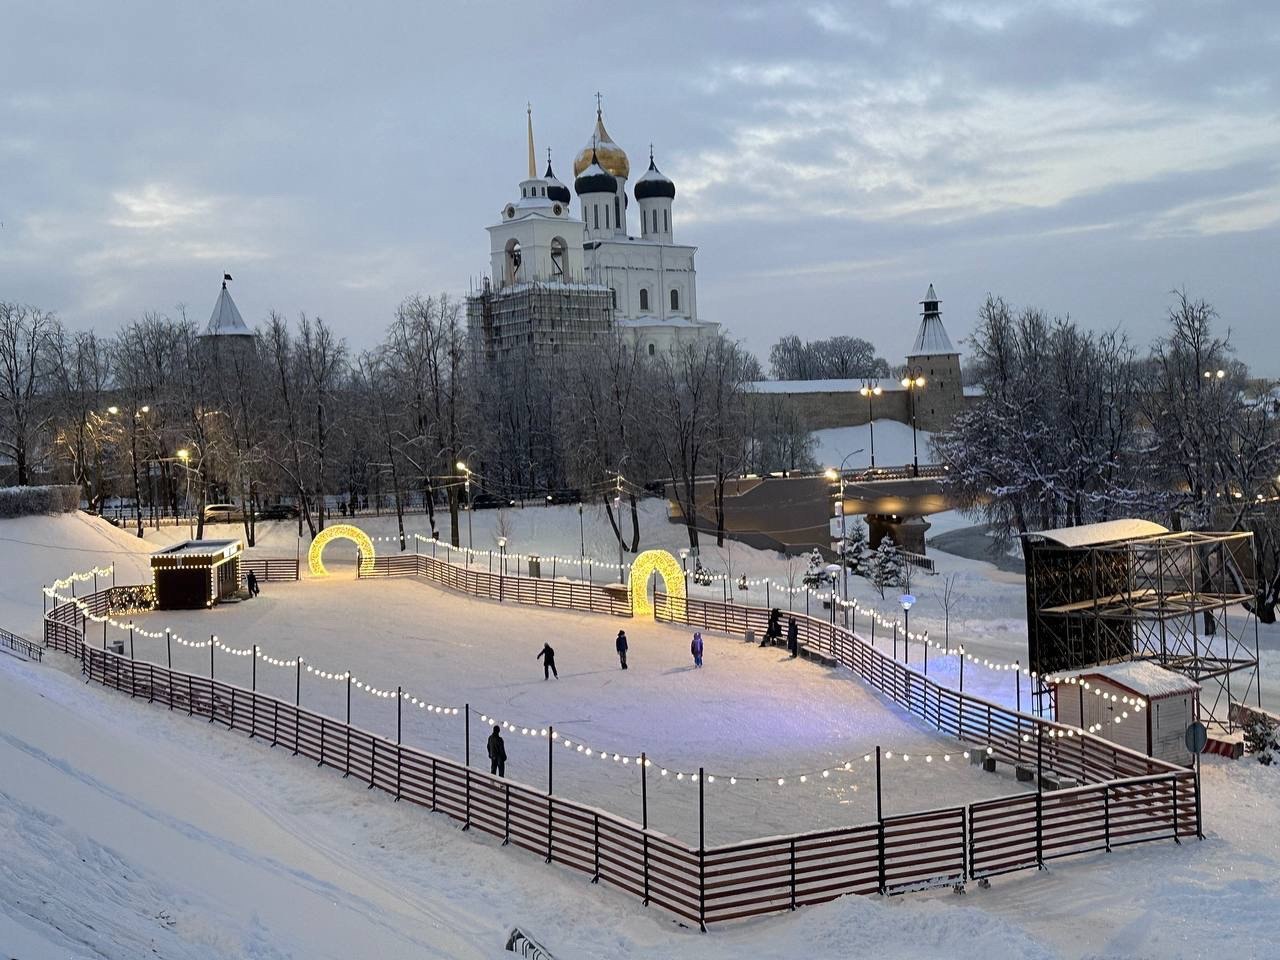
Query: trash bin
column 751, row 636
column 535, row 566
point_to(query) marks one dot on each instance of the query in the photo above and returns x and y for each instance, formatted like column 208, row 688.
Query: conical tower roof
column 931, row 339
column 226, row 320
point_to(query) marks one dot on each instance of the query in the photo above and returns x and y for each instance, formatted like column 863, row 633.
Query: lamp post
column 869, row 390
column 907, row 601
column 839, row 475
column 466, row 486
column 684, row 565
column 913, row 381
column 185, row 456
column 582, row 537
column 617, row 516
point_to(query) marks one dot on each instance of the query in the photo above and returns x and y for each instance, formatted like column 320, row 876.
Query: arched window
column 655, row 221
column 595, row 208
column 651, row 351
column 558, row 251
column 666, row 221
column 617, row 212
column 606, row 216
column 644, row 299
column 513, row 260
column 675, row 299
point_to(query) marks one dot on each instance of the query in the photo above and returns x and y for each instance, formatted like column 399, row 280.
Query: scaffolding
column 537, row 319
column 1183, row 600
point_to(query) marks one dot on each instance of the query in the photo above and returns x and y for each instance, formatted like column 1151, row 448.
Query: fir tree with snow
column 815, row 574
column 1260, row 739
column 886, row 565
column 854, row 547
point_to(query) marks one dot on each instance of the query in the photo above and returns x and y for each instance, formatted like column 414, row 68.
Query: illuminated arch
column 667, row 567
column 341, row 531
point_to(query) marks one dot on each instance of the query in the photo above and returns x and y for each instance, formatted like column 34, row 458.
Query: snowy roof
column 821, row 386
column 226, row 320
column 932, row 337
column 1092, row 534
column 1142, row 677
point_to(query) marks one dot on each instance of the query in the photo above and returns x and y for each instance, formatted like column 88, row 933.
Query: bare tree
column 948, row 599
column 27, row 336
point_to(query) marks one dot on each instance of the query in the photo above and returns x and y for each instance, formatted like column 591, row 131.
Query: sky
column 830, row 160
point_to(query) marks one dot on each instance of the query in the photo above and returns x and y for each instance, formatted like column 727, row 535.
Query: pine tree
column 886, row 566
column 1260, row 739
column 815, row 574
column 854, row 546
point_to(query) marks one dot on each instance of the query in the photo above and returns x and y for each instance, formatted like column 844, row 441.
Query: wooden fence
column 564, row 594
column 270, row 568
column 1127, row 798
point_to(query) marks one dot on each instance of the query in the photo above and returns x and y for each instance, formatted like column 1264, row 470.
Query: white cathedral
column 561, row 280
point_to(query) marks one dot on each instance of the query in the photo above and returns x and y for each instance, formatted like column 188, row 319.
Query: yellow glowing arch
column 667, row 567
column 341, row 531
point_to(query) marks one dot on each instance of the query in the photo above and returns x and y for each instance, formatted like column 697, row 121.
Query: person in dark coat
column 621, row 644
column 548, row 658
column 497, row 753
column 251, row 581
column 793, row 637
column 695, row 648
column 773, row 632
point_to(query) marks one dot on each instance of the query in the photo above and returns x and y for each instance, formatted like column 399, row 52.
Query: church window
column 606, row 216
column 595, row 208
column 655, row 221
column 558, row 250
column 644, row 299
column 613, row 297
column 675, row 299
column 651, row 349
column 617, row 212
column 666, row 223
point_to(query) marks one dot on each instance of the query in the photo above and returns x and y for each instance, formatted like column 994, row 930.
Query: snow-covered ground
column 125, row 830
column 893, row 445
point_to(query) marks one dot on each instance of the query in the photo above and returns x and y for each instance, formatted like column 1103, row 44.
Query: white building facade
column 650, row 280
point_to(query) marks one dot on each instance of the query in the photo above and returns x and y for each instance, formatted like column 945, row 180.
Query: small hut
column 1137, row 704
column 196, row 573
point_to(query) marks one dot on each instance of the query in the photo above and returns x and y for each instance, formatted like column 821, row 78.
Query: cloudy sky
column 831, row 160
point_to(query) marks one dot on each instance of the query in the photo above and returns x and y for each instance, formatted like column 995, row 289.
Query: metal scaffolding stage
column 1131, row 590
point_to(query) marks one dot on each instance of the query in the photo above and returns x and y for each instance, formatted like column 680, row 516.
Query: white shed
column 1137, row 704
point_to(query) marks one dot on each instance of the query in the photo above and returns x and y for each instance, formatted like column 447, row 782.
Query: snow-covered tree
column 815, row 574
column 1260, row 738
column 853, row 547
column 886, row 565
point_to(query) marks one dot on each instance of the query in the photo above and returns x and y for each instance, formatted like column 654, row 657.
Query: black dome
column 595, row 179
column 555, row 189
column 654, row 183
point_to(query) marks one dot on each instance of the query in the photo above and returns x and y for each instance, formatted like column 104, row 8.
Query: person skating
column 621, row 644
column 497, row 753
column 773, row 632
column 695, row 648
column 793, row 637
column 548, row 658
column 251, row 581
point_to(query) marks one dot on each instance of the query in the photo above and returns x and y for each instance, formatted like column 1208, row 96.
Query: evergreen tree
column 815, row 574
column 886, row 566
column 854, row 546
column 1260, row 739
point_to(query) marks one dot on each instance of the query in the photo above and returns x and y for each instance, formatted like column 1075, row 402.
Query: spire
column 533, row 169
column 932, row 336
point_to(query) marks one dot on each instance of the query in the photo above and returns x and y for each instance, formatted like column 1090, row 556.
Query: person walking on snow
column 548, row 658
column 251, row 582
column 773, row 632
column 696, row 649
column 621, row 644
column 793, row 637
column 497, row 753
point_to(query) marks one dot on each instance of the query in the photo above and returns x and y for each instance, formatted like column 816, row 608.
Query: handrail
column 22, row 645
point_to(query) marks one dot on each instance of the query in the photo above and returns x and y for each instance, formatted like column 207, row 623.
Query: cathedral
column 563, row 276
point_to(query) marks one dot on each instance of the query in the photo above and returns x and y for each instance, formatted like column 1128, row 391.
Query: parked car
column 489, row 501
column 278, row 511
column 223, row 513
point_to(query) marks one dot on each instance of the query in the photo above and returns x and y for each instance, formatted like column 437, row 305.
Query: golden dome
column 608, row 154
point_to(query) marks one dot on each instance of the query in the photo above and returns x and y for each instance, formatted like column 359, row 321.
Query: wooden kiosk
column 196, row 573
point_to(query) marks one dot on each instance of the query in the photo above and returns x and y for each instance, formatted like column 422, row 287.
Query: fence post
column 926, row 656
column 551, row 819
column 1199, row 824
column 969, row 845
column 1173, row 783
column 212, row 638
column 880, row 823
column 1106, row 815
column 297, row 704
column 347, row 770
column 595, row 877
column 168, row 652
column 793, row 873
column 702, row 851
column 466, row 757
column 1039, row 796
column 399, row 740
column 320, row 762
column 373, row 757
column 644, row 820
column 1017, row 685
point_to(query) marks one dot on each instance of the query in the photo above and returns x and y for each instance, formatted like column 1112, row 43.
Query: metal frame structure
column 1181, row 599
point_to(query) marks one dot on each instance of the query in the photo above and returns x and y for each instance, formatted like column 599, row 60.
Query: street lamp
column 869, row 391
column 466, row 485
column 907, row 601
column 844, row 560
column 913, row 381
column 185, row 456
